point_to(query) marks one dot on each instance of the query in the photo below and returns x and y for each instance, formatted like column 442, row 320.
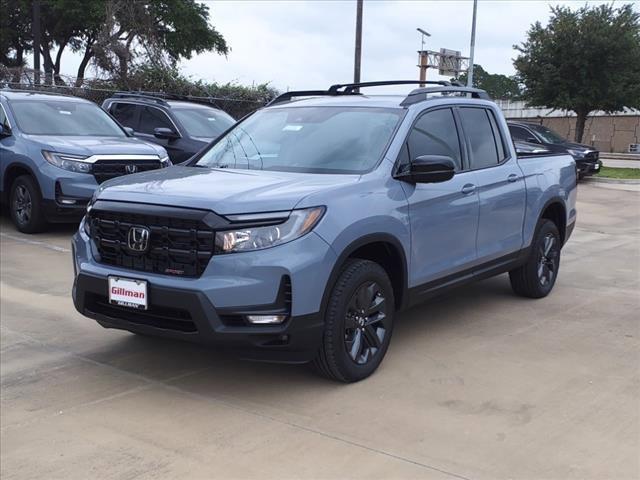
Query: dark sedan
column 586, row 157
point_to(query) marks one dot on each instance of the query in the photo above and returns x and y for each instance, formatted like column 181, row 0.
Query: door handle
column 468, row 188
column 513, row 178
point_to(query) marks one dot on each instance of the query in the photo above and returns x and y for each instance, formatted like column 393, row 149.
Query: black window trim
column 466, row 138
column 461, row 144
column 6, row 117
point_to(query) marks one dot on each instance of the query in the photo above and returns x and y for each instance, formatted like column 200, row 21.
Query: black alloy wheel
column 365, row 323
column 548, row 255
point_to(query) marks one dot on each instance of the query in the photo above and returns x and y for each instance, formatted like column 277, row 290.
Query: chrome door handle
column 513, row 178
column 468, row 188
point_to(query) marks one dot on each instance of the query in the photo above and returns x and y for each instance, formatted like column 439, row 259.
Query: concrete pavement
column 478, row 384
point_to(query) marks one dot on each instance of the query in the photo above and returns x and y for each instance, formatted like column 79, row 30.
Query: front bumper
column 588, row 167
column 209, row 309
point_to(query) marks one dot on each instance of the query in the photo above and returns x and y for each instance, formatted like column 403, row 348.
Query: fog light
column 266, row 319
column 68, row 201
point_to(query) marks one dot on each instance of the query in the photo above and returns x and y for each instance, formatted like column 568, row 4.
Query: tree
column 495, row 84
column 15, row 31
column 115, row 33
column 157, row 32
column 583, row 60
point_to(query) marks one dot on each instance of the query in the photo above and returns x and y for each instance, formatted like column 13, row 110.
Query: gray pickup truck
column 301, row 231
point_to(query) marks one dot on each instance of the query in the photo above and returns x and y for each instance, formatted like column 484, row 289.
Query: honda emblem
column 131, row 168
column 138, row 239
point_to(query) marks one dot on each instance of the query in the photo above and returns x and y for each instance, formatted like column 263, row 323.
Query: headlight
column 299, row 223
column 73, row 163
column 576, row 153
column 165, row 162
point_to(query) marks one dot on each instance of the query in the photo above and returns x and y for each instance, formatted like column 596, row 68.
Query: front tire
column 25, row 205
column 536, row 278
column 358, row 323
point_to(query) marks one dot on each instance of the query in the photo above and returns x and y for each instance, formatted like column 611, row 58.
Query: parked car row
column 55, row 149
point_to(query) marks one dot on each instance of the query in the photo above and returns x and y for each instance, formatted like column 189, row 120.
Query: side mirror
column 130, row 131
column 4, row 131
column 165, row 133
column 431, row 169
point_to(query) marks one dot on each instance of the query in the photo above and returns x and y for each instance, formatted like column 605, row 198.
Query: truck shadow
column 212, row 374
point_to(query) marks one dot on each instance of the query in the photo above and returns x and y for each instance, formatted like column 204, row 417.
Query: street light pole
column 358, row 49
column 473, row 45
column 35, row 31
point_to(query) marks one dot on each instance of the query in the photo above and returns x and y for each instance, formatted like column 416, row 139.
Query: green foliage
column 498, row 86
column 15, row 31
column 583, row 60
column 119, row 34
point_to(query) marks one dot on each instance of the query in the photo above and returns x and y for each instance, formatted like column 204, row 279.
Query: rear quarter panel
column 548, row 178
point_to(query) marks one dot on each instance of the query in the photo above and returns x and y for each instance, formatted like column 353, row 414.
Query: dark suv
column 585, row 156
column 182, row 128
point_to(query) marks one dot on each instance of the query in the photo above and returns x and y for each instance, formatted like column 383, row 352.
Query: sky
column 296, row 44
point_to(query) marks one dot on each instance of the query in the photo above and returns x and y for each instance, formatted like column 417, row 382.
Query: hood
column 81, row 145
column 578, row 146
column 223, row 191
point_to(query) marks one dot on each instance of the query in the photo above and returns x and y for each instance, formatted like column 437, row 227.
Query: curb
column 621, row 181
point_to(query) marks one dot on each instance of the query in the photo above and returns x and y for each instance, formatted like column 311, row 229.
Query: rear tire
column 536, row 278
column 25, row 205
column 358, row 323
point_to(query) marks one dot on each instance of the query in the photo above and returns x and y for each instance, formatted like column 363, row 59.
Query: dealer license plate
column 127, row 292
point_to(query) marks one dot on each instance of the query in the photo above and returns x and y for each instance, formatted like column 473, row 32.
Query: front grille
column 159, row 317
column 105, row 169
column 176, row 246
column 591, row 156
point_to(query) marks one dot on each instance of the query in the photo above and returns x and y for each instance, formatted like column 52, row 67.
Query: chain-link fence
column 236, row 100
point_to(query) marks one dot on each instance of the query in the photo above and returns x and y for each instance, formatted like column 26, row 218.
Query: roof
column 28, row 94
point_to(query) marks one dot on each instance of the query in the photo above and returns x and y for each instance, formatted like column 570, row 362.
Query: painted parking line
column 38, row 243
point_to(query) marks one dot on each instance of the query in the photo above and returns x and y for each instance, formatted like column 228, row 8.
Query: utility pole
column 358, row 49
column 35, row 30
column 473, row 45
column 423, row 57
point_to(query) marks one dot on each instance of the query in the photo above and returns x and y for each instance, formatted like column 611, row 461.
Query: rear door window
column 482, row 143
column 126, row 114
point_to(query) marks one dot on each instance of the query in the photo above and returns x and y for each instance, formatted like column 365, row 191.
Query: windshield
column 548, row 135
column 203, row 122
column 306, row 139
column 56, row 117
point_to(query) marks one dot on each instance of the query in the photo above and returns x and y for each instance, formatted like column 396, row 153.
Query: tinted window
column 497, row 134
column 477, row 127
column 3, row 117
column 203, row 122
column 435, row 133
column 152, row 118
column 125, row 113
column 56, row 117
column 306, row 139
column 519, row 133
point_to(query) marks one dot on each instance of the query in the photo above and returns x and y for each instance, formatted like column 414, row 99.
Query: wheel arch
column 382, row 248
column 13, row 171
column 555, row 210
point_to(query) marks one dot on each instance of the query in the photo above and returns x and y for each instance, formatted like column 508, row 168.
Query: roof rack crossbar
column 421, row 94
column 349, row 89
column 140, row 95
